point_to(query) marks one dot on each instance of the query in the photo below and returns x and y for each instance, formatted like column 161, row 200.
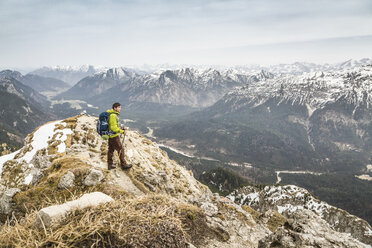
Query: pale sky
column 36, row 33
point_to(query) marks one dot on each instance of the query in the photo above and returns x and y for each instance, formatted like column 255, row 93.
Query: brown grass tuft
column 255, row 214
column 150, row 221
column 276, row 220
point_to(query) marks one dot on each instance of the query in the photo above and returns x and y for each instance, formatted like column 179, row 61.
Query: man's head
column 116, row 106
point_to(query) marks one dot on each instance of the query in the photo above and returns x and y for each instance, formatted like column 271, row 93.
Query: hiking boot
column 126, row 166
column 110, row 167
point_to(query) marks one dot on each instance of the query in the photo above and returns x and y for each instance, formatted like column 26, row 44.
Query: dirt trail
column 124, row 181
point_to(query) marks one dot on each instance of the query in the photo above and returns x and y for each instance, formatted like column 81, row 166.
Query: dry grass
column 71, row 122
column 276, row 220
column 150, row 221
column 47, row 193
column 255, row 214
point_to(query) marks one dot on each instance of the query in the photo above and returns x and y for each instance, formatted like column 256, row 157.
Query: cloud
column 38, row 32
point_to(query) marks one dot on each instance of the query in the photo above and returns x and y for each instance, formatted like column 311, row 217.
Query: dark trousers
column 114, row 144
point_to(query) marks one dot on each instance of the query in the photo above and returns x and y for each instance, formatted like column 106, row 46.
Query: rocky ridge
column 31, row 179
column 288, row 200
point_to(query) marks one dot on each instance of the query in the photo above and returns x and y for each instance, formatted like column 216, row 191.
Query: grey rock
column 164, row 176
column 36, row 176
column 6, row 203
column 94, row 177
column 152, row 179
column 66, row 181
column 209, row 208
column 170, row 187
column 53, row 214
column 41, row 161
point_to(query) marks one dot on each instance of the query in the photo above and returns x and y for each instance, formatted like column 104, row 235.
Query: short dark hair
column 115, row 105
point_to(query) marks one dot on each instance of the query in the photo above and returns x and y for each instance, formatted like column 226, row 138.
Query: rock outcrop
column 50, row 215
column 66, row 181
column 306, row 230
column 291, row 201
column 6, row 200
column 94, row 177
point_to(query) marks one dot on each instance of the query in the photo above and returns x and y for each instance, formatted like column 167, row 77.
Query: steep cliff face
column 65, row 159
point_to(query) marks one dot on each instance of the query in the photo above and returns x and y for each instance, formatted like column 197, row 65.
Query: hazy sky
column 114, row 33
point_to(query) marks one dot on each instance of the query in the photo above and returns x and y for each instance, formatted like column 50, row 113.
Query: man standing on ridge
column 114, row 143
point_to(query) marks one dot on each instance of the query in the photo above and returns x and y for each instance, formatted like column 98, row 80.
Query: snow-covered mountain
column 69, row 74
column 190, row 87
column 98, row 83
column 305, row 67
column 187, row 87
column 314, row 90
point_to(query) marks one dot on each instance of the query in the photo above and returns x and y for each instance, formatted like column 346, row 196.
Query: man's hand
column 123, row 128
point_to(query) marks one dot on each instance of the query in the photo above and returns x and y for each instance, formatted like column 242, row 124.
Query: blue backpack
column 103, row 125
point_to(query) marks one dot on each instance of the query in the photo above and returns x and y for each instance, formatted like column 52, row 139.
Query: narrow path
column 124, row 181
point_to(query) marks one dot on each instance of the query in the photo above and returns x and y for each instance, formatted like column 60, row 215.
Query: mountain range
column 184, row 87
column 69, row 74
column 42, row 85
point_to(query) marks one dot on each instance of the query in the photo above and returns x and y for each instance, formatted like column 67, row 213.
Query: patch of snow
column 28, row 179
column 44, row 134
column 253, row 197
column 129, row 153
column 128, row 120
column 40, row 140
column 62, row 137
column 6, row 158
column 175, row 150
column 290, row 208
column 246, row 165
column 364, row 177
column 92, row 106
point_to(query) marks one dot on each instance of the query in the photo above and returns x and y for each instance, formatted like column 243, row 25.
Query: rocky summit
column 57, row 191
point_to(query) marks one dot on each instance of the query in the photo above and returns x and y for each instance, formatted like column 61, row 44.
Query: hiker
column 114, row 143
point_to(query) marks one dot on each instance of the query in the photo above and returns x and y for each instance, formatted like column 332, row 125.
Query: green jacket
column 114, row 123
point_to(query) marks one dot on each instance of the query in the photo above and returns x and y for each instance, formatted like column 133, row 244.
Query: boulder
column 6, row 200
column 66, row 181
column 53, row 214
column 36, row 176
column 94, row 177
column 209, row 208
